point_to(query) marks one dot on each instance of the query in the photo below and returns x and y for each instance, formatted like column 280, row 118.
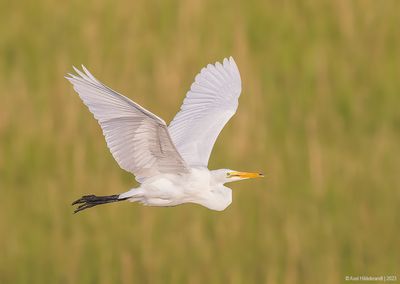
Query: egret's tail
column 88, row 201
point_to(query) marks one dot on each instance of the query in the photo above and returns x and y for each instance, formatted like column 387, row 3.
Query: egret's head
column 226, row 175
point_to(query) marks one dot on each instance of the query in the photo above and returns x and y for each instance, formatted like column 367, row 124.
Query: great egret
column 169, row 162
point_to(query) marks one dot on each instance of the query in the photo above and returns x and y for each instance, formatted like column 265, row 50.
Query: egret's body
column 199, row 186
column 170, row 162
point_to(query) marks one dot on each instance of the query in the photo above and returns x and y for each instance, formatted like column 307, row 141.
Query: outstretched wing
column 138, row 140
column 210, row 103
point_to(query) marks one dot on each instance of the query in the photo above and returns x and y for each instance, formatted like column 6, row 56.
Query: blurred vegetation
column 319, row 113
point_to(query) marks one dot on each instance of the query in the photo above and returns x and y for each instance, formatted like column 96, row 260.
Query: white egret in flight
column 169, row 162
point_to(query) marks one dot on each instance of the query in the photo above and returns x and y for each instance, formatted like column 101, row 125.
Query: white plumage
column 210, row 103
column 169, row 162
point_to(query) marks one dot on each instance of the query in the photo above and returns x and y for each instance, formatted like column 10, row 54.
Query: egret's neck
column 218, row 198
column 212, row 193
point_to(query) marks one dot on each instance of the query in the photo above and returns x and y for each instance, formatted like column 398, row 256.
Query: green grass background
column 319, row 114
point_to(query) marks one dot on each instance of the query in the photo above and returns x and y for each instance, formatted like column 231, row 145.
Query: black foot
column 89, row 201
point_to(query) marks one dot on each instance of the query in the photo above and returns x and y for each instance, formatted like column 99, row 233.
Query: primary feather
column 138, row 140
column 210, row 103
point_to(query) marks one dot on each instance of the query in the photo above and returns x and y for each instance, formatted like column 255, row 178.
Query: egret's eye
column 228, row 174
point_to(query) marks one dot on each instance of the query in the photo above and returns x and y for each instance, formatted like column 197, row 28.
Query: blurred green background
column 319, row 114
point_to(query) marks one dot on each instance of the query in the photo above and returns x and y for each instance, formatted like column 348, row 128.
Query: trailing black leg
column 89, row 201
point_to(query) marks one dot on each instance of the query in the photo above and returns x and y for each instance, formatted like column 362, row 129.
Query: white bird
column 169, row 162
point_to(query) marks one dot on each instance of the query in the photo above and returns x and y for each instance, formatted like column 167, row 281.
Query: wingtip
column 229, row 59
column 234, row 65
column 70, row 76
column 85, row 69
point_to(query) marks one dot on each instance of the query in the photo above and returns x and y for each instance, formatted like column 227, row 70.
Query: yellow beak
column 244, row 175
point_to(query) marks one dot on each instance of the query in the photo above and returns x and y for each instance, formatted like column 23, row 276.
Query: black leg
column 89, row 201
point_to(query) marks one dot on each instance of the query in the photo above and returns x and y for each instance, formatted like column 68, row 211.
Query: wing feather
column 211, row 101
column 138, row 140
